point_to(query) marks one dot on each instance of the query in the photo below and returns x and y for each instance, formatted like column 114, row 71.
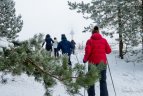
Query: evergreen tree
column 124, row 16
column 30, row 59
column 10, row 24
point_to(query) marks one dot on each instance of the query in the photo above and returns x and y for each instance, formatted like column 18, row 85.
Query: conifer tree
column 122, row 15
column 10, row 24
column 30, row 59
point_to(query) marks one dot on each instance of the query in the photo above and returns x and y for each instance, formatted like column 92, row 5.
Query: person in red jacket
column 95, row 52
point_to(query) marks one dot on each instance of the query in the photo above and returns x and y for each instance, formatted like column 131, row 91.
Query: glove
column 84, row 61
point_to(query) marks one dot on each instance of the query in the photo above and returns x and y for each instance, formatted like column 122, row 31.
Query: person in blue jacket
column 65, row 46
column 49, row 42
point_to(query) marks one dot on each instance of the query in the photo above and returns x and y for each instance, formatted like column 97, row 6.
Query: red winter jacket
column 96, row 49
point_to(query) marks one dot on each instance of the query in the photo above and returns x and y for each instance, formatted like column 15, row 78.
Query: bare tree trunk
column 142, row 27
column 120, row 35
column 142, row 43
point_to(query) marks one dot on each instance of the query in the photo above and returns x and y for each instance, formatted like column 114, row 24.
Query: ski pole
column 84, row 73
column 111, row 79
column 84, row 70
column 77, row 58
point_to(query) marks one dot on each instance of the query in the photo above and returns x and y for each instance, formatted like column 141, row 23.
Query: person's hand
column 84, row 61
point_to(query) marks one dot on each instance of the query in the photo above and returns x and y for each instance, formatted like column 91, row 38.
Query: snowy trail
column 127, row 79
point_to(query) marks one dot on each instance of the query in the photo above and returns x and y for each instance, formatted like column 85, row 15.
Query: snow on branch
column 4, row 43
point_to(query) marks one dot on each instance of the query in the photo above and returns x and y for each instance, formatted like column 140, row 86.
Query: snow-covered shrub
column 134, row 54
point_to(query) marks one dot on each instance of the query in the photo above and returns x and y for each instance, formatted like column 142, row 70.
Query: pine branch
column 40, row 69
column 45, row 72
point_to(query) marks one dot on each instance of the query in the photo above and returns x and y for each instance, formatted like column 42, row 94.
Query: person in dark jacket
column 49, row 42
column 65, row 46
column 73, row 44
column 95, row 52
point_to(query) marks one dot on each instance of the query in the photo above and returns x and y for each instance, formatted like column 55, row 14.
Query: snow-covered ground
column 127, row 78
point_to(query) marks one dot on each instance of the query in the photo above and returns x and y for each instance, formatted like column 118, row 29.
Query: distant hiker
column 65, row 46
column 95, row 52
column 73, row 44
column 49, row 43
column 55, row 45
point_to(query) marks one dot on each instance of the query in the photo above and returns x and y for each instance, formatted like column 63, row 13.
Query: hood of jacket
column 47, row 36
column 96, row 36
column 63, row 37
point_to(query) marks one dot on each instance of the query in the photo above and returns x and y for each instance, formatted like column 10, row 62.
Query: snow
column 127, row 78
column 4, row 43
column 22, row 86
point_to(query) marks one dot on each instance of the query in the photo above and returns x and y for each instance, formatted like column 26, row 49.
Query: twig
column 45, row 72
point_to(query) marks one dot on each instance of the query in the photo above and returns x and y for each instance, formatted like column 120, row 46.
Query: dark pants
column 69, row 60
column 49, row 48
column 103, row 86
column 56, row 53
column 73, row 51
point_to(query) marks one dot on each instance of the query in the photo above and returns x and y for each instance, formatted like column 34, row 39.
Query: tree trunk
column 142, row 27
column 120, row 34
column 142, row 44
